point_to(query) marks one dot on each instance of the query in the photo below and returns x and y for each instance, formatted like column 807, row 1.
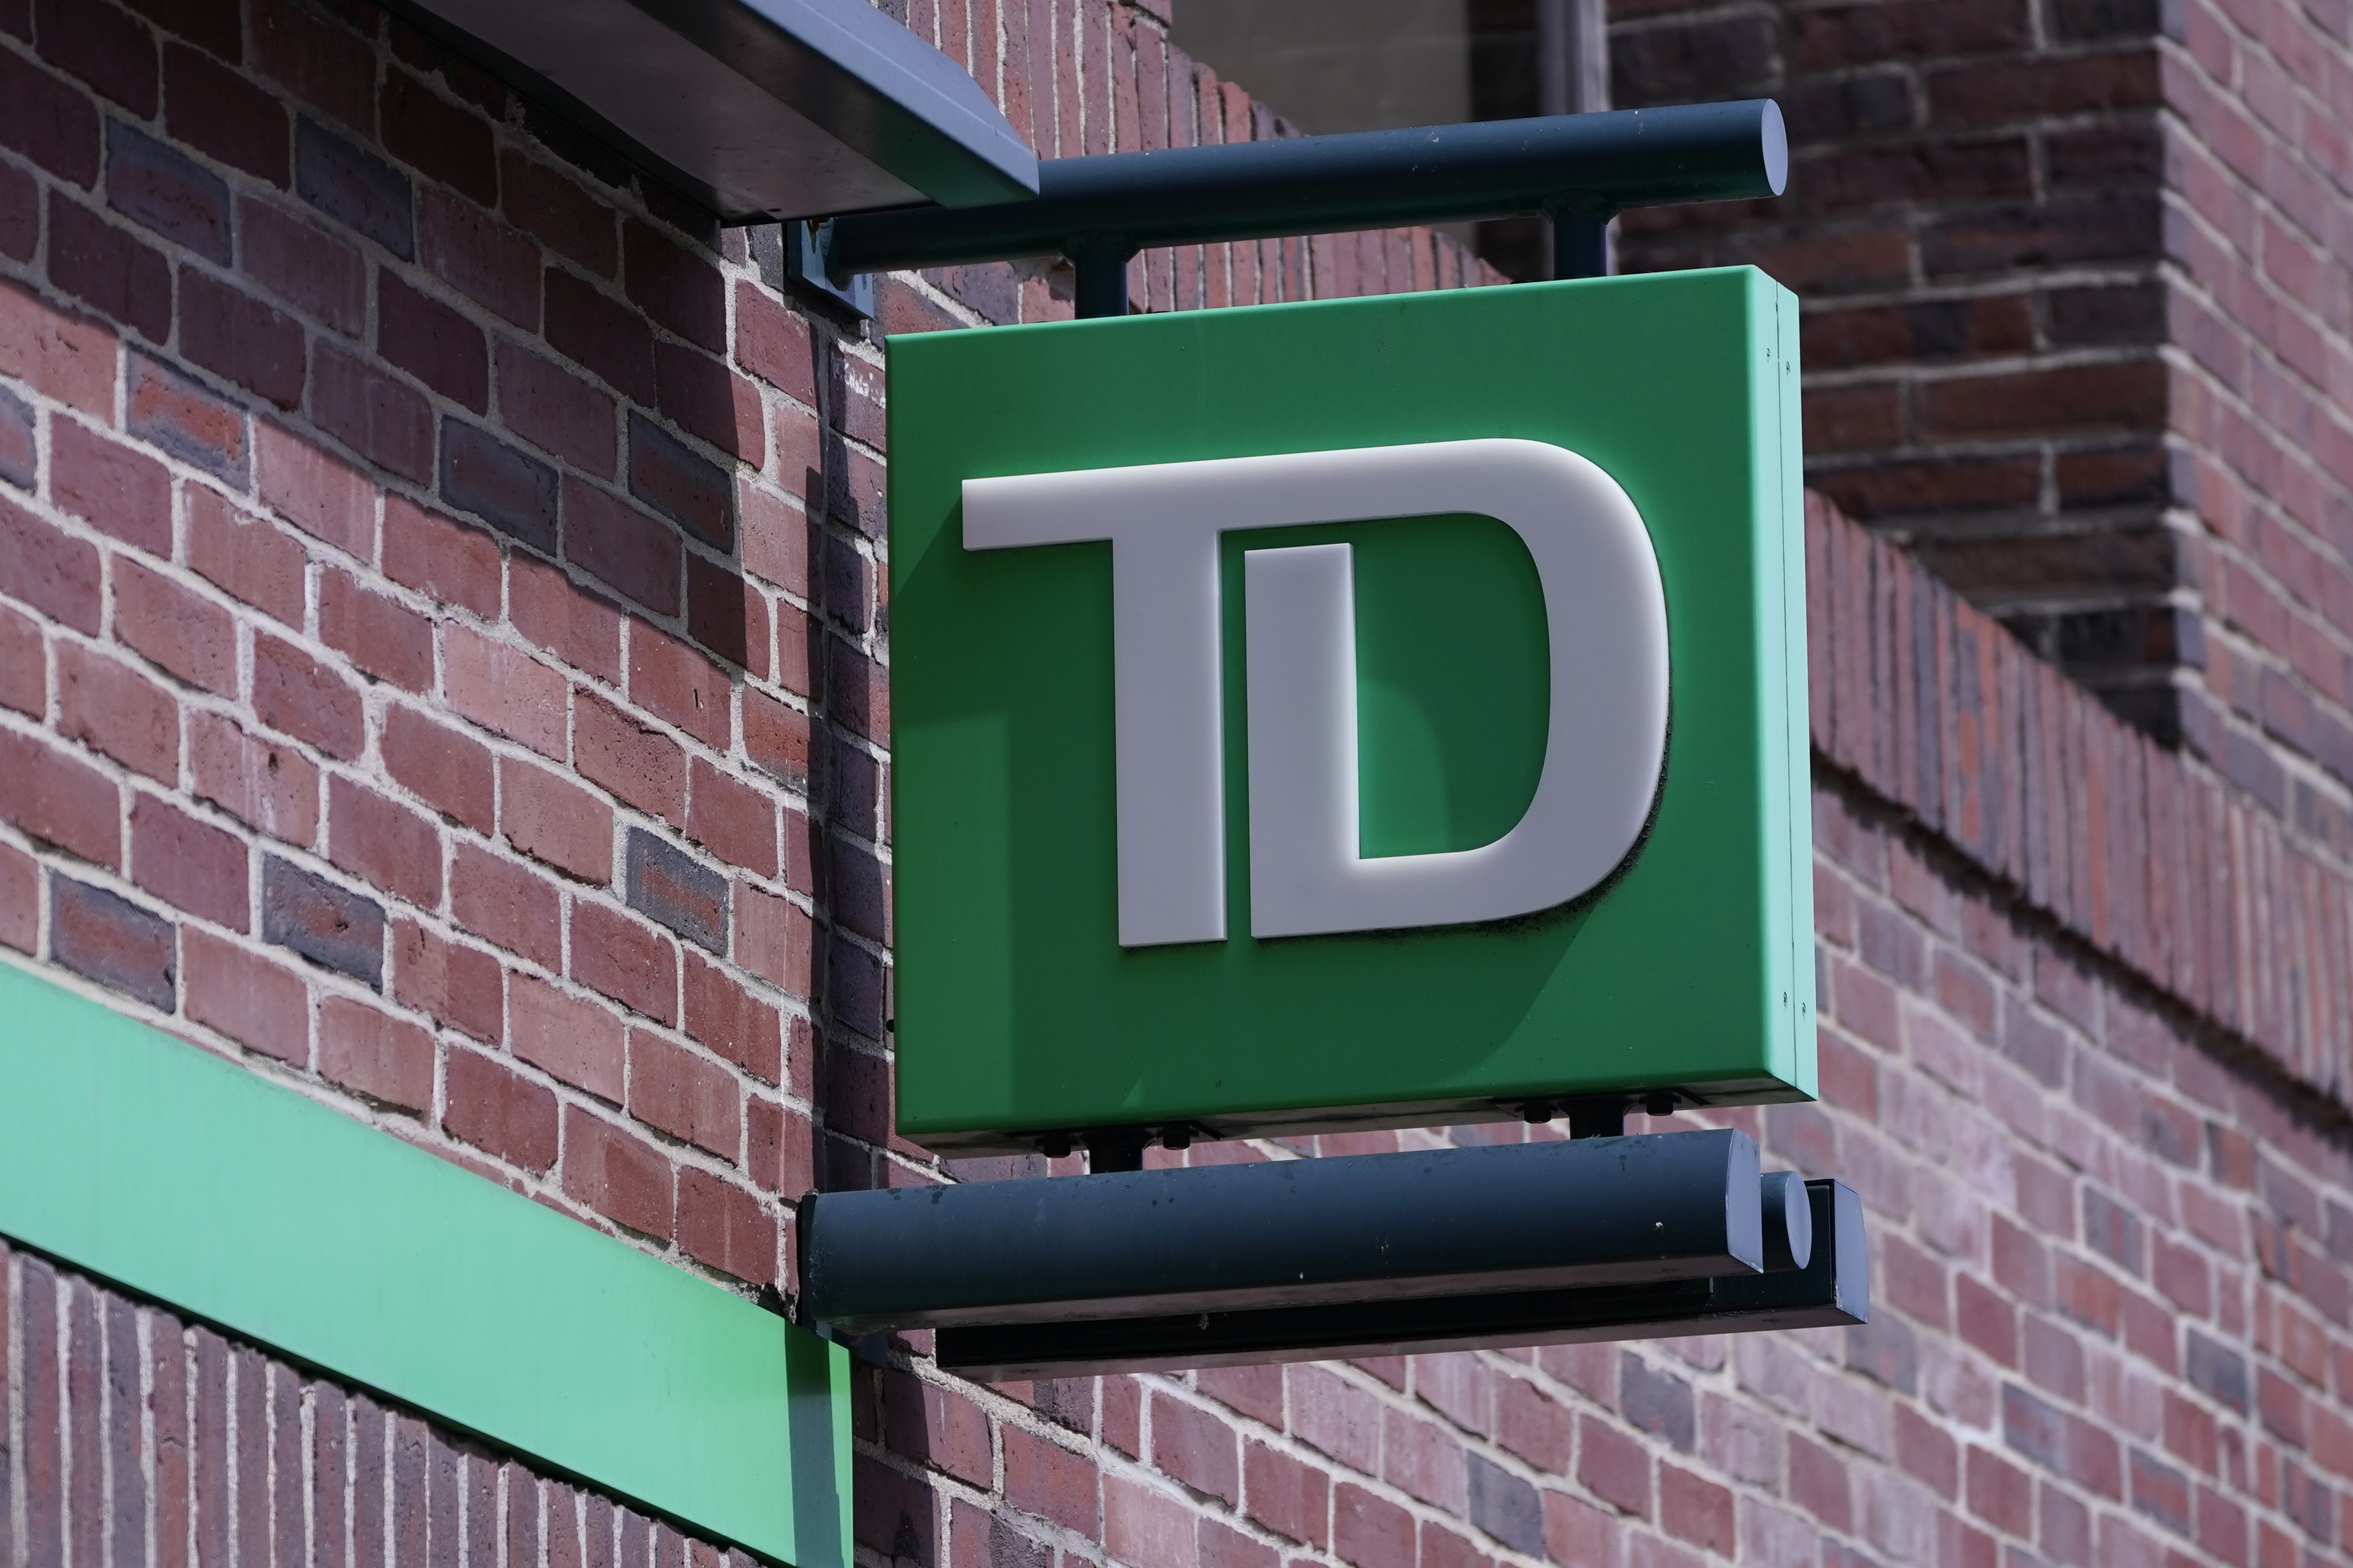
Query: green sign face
column 1363, row 713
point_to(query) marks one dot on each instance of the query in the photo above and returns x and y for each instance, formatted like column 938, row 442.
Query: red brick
column 1443, row 1548
column 439, row 138
column 266, row 787
column 24, row 665
column 634, row 553
column 673, row 1088
column 1613, row 1467
column 245, row 997
column 859, row 692
column 676, row 288
column 246, row 557
column 1818, row 1483
column 776, row 738
column 108, row 268
column 189, row 864
column 618, row 1176
column 728, row 614
column 1195, row 1446
column 376, row 632
column 1288, row 1497
column 776, row 532
column 776, row 940
column 66, row 357
column 383, row 1058
column 773, row 343
column 637, row 763
column 115, row 709
column 2077, row 398
column 1533, row 1424
column 778, row 1148
column 187, row 635
column 433, row 343
column 556, row 615
column 507, row 903
column 599, row 332
column 241, row 339
column 322, row 496
column 384, row 842
column 1044, row 1479
column 545, row 202
column 459, row 985
column 48, row 569
column 381, row 416
column 558, row 411
column 2000, row 1493
column 577, row 1040
column 724, row 1017
column 312, row 270
column 940, row 1425
column 503, row 688
column 450, row 771
column 675, row 683
column 219, row 113
column 20, row 901
column 498, row 1110
column 618, row 957
column 1146, row 1526
column 480, row 257
column 703, row 397
column 553, row 820
column 733, row 820
column 439, row 556
column 726, row 1227
column 48, row 120
column 122, row 491
column 107, row 49
column 1369, row 1530
column 297, row 695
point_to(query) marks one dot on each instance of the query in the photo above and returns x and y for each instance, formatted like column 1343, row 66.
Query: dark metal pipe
column 1126, row 202
column 1369, row 1227
column 1833, row 1288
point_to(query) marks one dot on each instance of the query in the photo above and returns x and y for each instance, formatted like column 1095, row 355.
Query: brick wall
column 2077, row 326
column 442, row 652
column 443, row 667
column 129, row 1436
column 1975, row 218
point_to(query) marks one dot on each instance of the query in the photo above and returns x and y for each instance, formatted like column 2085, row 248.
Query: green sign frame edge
column 1774, row 614
column 235, row 1200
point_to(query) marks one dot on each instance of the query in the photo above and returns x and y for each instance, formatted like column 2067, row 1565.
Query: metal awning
column 758, row 109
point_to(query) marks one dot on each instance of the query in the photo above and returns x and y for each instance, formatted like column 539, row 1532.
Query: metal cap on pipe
column 1377, row 1226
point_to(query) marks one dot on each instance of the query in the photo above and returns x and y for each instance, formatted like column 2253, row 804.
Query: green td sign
column 1350, row 714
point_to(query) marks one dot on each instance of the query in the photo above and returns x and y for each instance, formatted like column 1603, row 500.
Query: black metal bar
column 1598, row 164
column 1102, row 284
column 1580, row 244
column 1350, row 1228
column 1832, row 1290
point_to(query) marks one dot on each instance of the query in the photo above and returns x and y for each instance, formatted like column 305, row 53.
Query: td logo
column 1345, row 624
column 1605, row 611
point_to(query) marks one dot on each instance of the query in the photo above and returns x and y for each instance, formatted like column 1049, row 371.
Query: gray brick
column 668, row 885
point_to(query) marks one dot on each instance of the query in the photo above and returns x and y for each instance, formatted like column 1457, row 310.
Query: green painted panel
column 1015, row 1008
column 236, row 1200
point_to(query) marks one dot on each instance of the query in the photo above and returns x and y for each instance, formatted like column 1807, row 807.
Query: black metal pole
column 1568, row 165
column 1102, row 289
column 1580, row 244
column 1347, row 1227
